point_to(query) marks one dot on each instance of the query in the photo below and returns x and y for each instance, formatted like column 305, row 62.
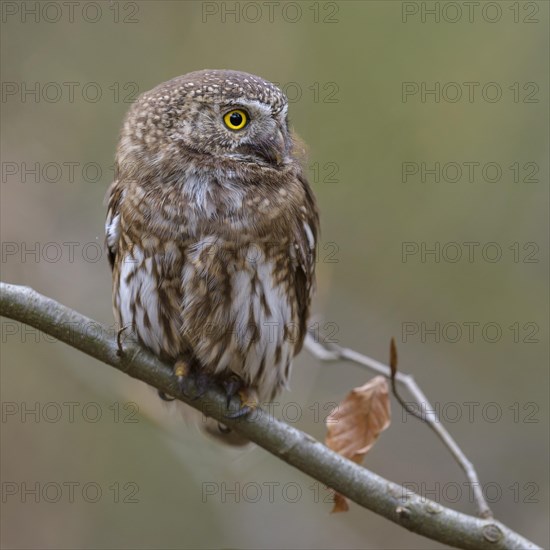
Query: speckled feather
column 211, row 232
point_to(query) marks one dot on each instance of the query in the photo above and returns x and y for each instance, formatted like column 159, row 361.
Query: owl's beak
column 280, row 148
column 272, row 151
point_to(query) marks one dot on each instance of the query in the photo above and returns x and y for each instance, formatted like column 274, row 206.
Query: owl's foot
column 249, row 403
column 192, row 383
column 233, row 384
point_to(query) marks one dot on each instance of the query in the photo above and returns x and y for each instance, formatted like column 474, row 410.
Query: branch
column 298, row 449
column 335, row 353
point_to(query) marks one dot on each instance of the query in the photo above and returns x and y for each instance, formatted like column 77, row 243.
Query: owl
column 211, row 232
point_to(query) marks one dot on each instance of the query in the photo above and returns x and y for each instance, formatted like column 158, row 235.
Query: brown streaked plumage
column 211, row 228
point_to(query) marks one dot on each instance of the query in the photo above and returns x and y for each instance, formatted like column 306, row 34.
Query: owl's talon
column 232, row 386
column 120, row 350
column 165, row 397
column 223, row 428
column 239, row 413
column 249, row 403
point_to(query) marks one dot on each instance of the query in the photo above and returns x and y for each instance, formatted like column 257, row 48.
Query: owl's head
column 211, row 113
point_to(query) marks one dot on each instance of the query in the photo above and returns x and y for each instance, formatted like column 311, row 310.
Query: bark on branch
column 298, row 449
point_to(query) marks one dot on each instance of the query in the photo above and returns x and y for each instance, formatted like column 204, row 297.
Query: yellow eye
column 236, row 119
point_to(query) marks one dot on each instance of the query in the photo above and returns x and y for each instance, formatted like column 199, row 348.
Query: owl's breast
column 231, row 303
column 208, row 266
column 239, row 309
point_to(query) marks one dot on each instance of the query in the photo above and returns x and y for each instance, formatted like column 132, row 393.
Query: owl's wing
column 112, row 222
column 304, row 255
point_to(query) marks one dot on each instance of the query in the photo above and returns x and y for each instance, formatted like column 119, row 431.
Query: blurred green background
column 343, row 65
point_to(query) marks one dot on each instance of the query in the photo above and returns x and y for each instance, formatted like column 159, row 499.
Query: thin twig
column 335, row 353
column 409, row 510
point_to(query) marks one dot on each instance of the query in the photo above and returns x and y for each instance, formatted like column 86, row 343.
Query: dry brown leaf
column 340, row 503
column 354, row 426
column 356, row 423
